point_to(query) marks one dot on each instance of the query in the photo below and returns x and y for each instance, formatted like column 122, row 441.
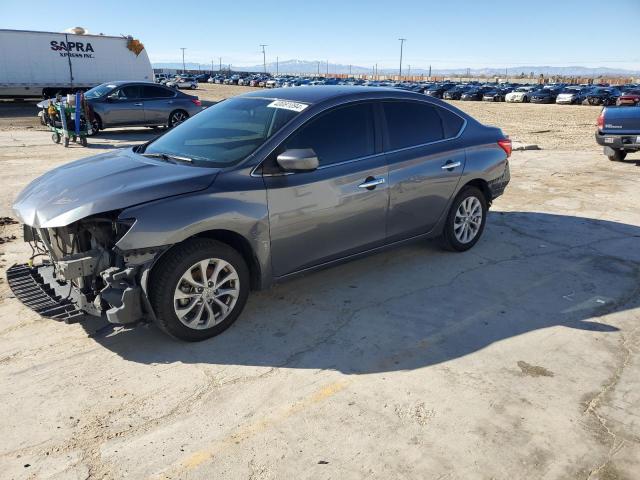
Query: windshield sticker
column 294, row 106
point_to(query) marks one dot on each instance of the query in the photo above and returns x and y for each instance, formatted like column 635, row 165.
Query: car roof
column 129, row 82
column 321, row 93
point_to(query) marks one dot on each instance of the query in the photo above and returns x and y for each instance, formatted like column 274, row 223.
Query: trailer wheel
column 55, row 137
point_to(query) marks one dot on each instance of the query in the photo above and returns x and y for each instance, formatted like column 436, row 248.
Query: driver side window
column 342, row 134
column 129, row 92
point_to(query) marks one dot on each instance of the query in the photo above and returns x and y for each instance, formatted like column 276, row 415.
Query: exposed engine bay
column 84, row 256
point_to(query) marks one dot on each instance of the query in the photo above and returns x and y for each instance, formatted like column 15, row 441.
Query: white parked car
column 183, row 82
column 520, row 95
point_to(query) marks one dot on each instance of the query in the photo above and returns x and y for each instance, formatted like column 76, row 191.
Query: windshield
column 99, row 91
column 227, row 132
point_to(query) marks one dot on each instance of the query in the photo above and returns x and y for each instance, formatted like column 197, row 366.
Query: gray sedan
column 135, row 104
column 254, row 190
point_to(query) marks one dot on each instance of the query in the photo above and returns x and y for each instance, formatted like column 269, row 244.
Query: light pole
column 277, row 66
column 220, row 59
column 327, row 68
column 264, row 57
column 402, row 40
column 183, row 49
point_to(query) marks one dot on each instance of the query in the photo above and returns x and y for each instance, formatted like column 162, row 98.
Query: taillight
column 600, row 122
column 505, row 144
column 197, row 102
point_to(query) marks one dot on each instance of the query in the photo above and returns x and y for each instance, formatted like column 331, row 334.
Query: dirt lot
column 551, row 127
column 518, row 359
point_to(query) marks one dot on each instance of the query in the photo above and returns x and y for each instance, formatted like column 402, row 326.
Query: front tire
column 618, row 156
column 198, row 289
column 96, row 125
column 465, row 221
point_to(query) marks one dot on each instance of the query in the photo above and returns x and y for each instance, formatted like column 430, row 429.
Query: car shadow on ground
column 417, row 306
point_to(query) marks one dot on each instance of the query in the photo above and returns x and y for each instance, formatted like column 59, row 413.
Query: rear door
column 340, row 208
column 124, row 107
column 425, row 159
column 158, row 104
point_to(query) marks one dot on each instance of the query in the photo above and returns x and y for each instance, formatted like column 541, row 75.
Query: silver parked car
column 254, row 190
column 135, row 104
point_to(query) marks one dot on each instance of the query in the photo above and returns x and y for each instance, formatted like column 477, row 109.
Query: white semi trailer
column 41, row 64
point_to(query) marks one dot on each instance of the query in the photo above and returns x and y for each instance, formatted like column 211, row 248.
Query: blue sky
column 462, row 33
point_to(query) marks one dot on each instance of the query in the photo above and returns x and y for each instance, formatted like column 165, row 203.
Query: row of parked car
column 560, row 93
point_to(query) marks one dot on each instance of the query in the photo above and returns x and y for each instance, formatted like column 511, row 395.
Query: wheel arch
column 242, row 246
column 483, row 186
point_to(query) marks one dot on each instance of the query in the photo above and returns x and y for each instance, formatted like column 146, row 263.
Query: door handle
column 449, row 165
column 138, row 104
column 370, row 183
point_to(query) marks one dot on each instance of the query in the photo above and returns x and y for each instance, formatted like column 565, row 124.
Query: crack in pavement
column 599, row 399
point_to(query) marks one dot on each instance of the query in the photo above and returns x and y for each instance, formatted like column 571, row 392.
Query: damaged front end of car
column 83, row 260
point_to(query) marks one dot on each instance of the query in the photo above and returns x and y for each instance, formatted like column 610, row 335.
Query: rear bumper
column 619, row 141
column 498, row 185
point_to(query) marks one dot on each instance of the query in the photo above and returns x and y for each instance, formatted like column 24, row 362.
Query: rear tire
column 177, row 117
column 465, row 221
column 618, row 156
column 177, row 285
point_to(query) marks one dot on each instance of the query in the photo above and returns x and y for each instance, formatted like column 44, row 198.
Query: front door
column 340, row 208
column 124, row 107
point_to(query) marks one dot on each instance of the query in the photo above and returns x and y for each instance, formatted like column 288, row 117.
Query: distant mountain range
column 311, row 67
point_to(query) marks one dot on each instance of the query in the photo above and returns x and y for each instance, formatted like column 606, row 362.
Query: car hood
column 102, row 183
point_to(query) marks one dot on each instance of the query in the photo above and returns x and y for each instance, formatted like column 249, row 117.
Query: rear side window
column 341, row 134
column 151, row 91
column 451, row 122
column 130, row 91
column 412, row 123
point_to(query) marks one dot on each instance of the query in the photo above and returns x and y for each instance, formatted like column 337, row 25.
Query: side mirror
column 298, row 160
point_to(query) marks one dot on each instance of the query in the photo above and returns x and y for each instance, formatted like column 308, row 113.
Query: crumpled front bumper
column 34, row 287
column 39, row 288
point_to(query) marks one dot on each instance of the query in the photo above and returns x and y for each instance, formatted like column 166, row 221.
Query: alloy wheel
column 468, row 220
column 177, row 118
column 206, row 293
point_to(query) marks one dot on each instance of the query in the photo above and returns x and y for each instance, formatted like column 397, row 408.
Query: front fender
column 236, row 204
